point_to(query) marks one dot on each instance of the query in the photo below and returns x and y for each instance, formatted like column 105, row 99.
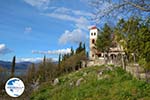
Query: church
column 97, row 57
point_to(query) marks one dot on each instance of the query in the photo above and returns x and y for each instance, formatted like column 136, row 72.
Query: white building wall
column 93, row 36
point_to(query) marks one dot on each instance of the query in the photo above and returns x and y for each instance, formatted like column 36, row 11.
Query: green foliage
column 80, row 48
column 134, row 36
column 104, row 39
column 120, row 85
column 73, row 62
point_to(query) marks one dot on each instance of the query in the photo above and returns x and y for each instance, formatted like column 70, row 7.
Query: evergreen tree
column 59, row 61
column 104, row 40
column 44, row 60
column 13, row 66
column 84, row 48
column 79, row 49
column 72, row 52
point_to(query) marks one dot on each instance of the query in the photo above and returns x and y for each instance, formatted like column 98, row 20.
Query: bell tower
column 94, row 31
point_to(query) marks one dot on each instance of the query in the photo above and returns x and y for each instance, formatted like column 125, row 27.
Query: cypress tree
column 59, row 61
column 44, row 60
column 13, row 66
column 72, row 52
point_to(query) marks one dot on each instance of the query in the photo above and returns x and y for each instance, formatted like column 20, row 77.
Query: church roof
column 93, row 27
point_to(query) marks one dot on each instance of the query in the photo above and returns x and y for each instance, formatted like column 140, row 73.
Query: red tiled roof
column 93, row 27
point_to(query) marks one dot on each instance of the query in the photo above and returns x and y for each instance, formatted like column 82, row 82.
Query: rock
column 56, row 81
column 71, row 84
column 102, row 77
column 99, row 75
column 100, row 72
column 109, row 68
column 35, row 85
column 79, row 81
column 85, row 74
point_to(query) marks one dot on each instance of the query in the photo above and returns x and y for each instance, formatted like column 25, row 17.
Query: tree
column 134, row 36
column 44, row 60
column 144, row 48
column 72, row 52
column 104, row 40
column 42, row 70
column 80, row 48
column 31, row 73
column 122, row 8
column 13, row 66
column 59, row 61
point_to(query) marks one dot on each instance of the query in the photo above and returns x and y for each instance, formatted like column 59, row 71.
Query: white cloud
column 76, row 16
column 60, row 51
column 4, row 49
column 38, row 59
column 79, row 20
column 38, row 3
column 64, row 10
column 75, row 36
column 28, row 29
column 62, row 17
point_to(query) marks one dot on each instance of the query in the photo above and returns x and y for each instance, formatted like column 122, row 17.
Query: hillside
column 94, row 83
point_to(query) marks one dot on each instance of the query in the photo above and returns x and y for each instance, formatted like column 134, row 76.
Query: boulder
column 109, row 68
column 35, row 85
column 56, row 81
column 79, row 81
column 71, row 84
column 85, row 74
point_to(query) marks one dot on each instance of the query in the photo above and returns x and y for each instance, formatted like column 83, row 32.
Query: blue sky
column 31, row 28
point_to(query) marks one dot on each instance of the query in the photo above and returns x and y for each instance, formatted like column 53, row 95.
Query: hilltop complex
column 97, row 57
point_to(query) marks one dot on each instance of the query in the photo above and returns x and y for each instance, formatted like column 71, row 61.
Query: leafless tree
column 119, row 8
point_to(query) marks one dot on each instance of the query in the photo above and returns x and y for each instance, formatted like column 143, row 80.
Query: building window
column 94, row 33
column 92, row 55
column 93, row 41
column 99, row 55
column 91, row 33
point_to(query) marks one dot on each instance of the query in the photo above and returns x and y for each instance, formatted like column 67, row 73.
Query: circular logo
column 14, row 87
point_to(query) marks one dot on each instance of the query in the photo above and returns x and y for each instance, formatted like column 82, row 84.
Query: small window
column 99, row 55
column 91, row 33
column 93, row 41
column 92, row 55
column 94, row 33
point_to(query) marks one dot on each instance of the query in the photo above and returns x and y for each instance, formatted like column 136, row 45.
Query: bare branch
column 138, row 6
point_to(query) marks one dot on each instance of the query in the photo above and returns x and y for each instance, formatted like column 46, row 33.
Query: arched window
column 91, row 33
column 92, row 55
column 93, row 41
column 94, row 33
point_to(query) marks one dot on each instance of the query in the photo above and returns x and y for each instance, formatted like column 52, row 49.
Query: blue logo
column 14, row 87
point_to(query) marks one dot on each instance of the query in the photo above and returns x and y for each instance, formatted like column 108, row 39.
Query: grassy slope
column 114, row 85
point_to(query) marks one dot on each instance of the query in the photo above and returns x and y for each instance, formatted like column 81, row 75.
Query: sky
column 30, row 29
